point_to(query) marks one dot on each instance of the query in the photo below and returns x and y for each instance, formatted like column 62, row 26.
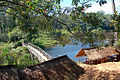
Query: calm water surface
column 70, row 50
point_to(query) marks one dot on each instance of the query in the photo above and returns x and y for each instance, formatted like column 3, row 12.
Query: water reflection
column 95, row 39
column 79, row 41
column 70, row 50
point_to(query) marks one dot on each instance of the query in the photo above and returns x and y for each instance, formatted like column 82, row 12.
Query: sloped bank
column 57, row 69
column 8, row 73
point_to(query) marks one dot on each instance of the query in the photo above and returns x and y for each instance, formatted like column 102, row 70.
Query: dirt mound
column 57, row 69
column 8, row 73
column 61, row 68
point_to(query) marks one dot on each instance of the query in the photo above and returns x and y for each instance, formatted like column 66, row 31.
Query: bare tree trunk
column 113, row 6
column 114, row 11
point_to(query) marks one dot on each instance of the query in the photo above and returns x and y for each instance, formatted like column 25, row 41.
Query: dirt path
column 104, row 71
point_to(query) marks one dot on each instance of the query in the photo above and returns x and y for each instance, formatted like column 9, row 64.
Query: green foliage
column 42, row 23
column 44, row 40
column 97, row 31
column 15, row 56
column 4, row 37
column 25, row 60
column 35, row 15
column 37, row 43
column 118, row 44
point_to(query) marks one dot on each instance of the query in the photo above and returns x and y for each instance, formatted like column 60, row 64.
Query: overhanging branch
column 15, row 3
column 3, row 5
column 6, row 12
column 68, row 28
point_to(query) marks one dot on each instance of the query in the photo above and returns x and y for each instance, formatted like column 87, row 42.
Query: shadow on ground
column 61, row 68
column 92, row 74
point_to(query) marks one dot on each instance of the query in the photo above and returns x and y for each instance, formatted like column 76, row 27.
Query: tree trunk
column 113, row 6
column 114, row 11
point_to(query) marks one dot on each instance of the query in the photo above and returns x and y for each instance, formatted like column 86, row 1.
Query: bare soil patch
column 104, row 71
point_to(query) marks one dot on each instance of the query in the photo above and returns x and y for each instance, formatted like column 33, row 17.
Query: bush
column 16, row 56
column 38, row 44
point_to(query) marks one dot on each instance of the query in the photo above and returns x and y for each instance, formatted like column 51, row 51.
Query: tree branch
column 6, row 12
column 15, row 3
column 8, row 6
column 68, row 28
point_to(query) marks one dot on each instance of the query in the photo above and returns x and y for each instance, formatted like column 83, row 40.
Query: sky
column 107, row 8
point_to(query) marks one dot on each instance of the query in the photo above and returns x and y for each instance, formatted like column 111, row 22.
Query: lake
column 70, row 50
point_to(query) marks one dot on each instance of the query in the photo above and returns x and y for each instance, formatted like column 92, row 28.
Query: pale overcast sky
column 107, row 8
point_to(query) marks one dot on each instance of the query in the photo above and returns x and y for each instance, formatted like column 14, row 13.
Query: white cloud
column 118, row 5
column 107, row 8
